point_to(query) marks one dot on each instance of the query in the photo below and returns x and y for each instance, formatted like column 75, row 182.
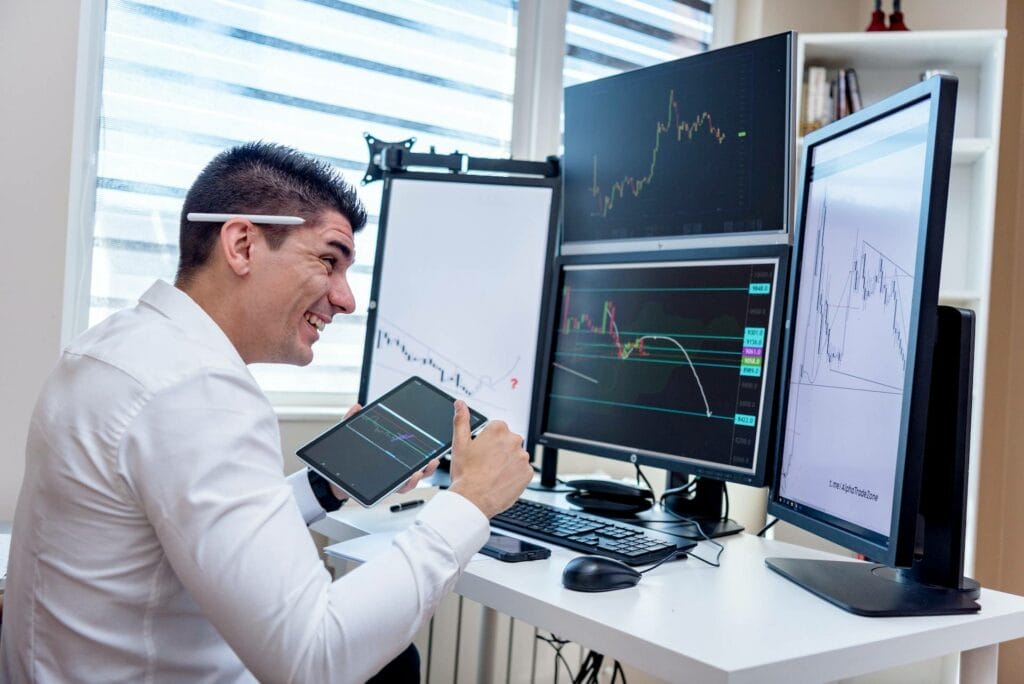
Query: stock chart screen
column 665, row 359
column 696, row 146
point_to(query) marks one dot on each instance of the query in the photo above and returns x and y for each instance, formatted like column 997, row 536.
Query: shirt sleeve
column 203, row 458
column 309, row 507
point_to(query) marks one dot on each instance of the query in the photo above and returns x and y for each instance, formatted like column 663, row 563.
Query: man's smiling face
column 299, row 288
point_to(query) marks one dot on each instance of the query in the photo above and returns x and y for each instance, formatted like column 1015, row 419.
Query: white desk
column 738, row 623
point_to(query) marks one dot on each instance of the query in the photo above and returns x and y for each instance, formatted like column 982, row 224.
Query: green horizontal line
column 707, row 337
column 632, row 359
column 383, row 428
column 648, row 346
column 659, row 289
column 640, row 406
column 635, row 333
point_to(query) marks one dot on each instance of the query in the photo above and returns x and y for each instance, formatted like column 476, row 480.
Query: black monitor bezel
column 757, row 476
column 680, row 241
column 898, row 547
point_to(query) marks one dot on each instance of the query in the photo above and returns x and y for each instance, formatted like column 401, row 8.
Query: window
column 606, row 37
column 184, row 80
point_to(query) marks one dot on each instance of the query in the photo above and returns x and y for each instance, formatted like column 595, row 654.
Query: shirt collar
column 177, row 306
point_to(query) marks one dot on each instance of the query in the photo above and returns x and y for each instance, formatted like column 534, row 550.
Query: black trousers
column 405, row 669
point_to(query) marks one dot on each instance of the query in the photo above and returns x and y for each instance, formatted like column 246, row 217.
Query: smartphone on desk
column 513, row 549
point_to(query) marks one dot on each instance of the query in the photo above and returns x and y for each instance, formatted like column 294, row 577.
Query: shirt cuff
column 459, row 522
column 310, row 508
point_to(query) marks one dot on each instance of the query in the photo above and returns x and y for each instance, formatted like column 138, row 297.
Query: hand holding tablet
column 491, row 470
column 373, row 452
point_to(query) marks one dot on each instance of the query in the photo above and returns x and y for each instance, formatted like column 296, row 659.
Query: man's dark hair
column 260, row 178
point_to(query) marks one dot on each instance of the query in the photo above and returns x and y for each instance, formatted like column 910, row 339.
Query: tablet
column 369, row 455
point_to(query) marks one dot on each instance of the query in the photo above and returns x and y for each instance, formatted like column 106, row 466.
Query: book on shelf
column 817, row 101
column 853, row 90
column 840, row 98
column 825, row 99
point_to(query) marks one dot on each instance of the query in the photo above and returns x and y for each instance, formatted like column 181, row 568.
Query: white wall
column 38, row 59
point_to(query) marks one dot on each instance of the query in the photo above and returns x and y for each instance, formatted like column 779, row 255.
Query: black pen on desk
column 395, row 508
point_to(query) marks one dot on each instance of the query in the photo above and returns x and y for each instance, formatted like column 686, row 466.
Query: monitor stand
column 442, row 477
column 934, row 584
column 703, row 504
column 549, row 467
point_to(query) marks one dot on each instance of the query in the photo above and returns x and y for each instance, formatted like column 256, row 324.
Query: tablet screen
column 372, row 453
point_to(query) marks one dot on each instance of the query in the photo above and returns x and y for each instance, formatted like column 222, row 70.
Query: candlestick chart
column 400, row 349
column 859, row 322
column 672, row 130
column 851, row 334
column 854, row 320
column 667, row 359
column 695, row 146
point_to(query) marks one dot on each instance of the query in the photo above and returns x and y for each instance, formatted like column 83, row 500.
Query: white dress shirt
column 156, row 539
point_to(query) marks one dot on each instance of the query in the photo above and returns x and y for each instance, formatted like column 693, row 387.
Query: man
column 155, row 537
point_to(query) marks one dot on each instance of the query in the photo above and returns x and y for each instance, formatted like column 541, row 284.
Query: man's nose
column 341, row 297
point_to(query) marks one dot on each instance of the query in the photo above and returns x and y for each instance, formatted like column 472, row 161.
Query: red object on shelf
column 896, row 18
column 896, row 22
column 877, row 21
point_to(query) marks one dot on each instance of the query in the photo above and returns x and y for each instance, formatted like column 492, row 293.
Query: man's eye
column 330, row 261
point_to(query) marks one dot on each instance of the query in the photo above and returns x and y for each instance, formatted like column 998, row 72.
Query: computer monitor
column 484, row 244
column 863, row 389
column 696, row 146
column 666, row 359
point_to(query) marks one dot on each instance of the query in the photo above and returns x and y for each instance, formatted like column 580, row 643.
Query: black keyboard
column 593, row 534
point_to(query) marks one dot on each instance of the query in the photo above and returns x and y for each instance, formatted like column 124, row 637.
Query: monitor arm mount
column 397, row 157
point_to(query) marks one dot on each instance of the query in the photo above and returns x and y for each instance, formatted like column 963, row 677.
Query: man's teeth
column 316, row 322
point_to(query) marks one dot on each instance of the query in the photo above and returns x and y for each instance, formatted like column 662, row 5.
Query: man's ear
column 237, row 238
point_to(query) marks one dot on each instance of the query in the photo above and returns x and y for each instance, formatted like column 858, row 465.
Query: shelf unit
column 888, row 62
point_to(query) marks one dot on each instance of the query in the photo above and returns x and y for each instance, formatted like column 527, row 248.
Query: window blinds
column 183, row 80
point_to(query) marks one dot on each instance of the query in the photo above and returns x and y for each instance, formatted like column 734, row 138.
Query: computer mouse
column 597, row 573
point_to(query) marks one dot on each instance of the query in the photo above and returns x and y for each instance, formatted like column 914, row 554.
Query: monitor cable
column 640, row 476
column 725, row 493
column 672, row 555
column 716, row 563
column 558, row 480
column 558, row 644
column 683, row 489
column 767, row 527
column 590, row 668
column 700, row 530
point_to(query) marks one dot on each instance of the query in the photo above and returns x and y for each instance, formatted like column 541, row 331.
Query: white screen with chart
column 852, row 325
column 460, row 292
